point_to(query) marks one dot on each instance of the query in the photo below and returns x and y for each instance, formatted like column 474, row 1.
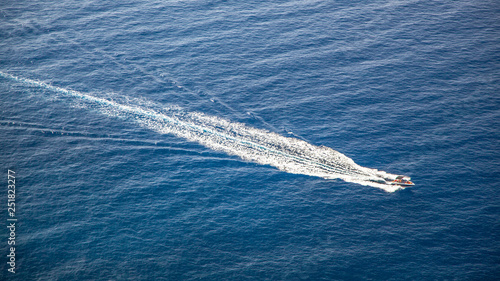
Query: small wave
column 288, row 154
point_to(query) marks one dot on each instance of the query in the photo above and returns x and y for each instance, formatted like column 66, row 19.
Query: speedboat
column 402, row 181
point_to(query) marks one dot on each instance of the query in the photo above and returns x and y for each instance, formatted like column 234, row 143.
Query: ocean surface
column 249, row 140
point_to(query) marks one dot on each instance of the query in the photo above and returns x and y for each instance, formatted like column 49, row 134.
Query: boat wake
column 288, row 154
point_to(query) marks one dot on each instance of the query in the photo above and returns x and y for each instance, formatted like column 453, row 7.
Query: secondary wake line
column 287, row 154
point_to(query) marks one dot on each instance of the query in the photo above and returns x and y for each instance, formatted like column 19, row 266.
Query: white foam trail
column 287, row 154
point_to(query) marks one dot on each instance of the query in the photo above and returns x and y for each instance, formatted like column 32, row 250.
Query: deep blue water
column 105, row 193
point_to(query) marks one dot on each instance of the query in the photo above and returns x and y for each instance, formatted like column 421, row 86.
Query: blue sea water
column 136, row 131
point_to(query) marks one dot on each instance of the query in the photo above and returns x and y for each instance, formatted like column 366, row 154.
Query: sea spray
column 287, row 154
